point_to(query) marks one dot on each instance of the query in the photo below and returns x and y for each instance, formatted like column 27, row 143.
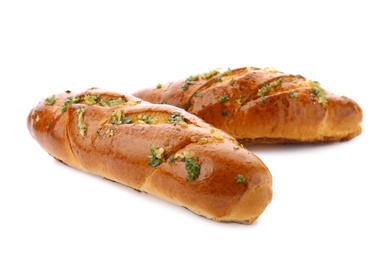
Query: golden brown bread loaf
column 158, row 149
column 263, row 106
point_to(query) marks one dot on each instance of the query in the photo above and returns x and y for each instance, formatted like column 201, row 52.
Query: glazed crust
column 263, row 106
column 114, row 141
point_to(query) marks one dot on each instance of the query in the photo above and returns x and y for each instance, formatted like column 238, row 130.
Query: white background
column 330, row 201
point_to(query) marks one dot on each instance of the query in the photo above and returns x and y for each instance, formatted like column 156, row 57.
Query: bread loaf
column 158, row 149
column 263, row 106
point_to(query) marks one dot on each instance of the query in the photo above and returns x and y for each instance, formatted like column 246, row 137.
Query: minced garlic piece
column 185, row 154
column 313, row 84
column 269, row 87
column 216, row 134
column 118, row 117
column 91, row 99
column 317, row 91
column 188, row 154
column 133, row 103
column 156, row 157
column 159, row 152
column 202, row 139
column 109, row 132
column 146, row 119
column 275, row 83
column 271, row 69
column 80, row 121
column 209, row 74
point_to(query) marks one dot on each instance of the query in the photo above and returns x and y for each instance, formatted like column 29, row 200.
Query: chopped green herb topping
column 314, row 83
column 172, row 159
column 293, row 94
column 163, row 102
column 91, row 99
column 192, row 78
column 317, row 91
column 248, row 69
column 118, row 118
column 231, row 82
column 218, row 79
column 320, row 94
column 264, row 98
column 176, row 118
column 80, row 121
column 185, row 86
column 269, row 87
column 99, row 130
column 209, row 74
column 223, row 99
column 146, row 119
column 224, row 113
column 240, row 178
column 344, row 96
column 50, row 100
column 228, row 72
column 192, row 167
column 198, row 95
column 159, row 85
column 69, row 100
column 189, row 81
column 94, row 99
column 156, row 157
column 111, row 102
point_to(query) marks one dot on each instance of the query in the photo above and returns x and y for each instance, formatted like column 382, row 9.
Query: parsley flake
column 293, row 94
column 240, row 178
column 193, row 169
column 50, row 100
column 69, row 100
column 156, row 157
column 176, row 118
column 223, row 99
column 118, row 118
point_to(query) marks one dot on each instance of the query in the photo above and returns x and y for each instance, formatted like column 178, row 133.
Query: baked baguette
column 263, row 106
column 159, row 149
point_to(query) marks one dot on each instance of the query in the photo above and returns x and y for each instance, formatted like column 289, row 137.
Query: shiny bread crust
column 115, row 141
column 263, row 106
